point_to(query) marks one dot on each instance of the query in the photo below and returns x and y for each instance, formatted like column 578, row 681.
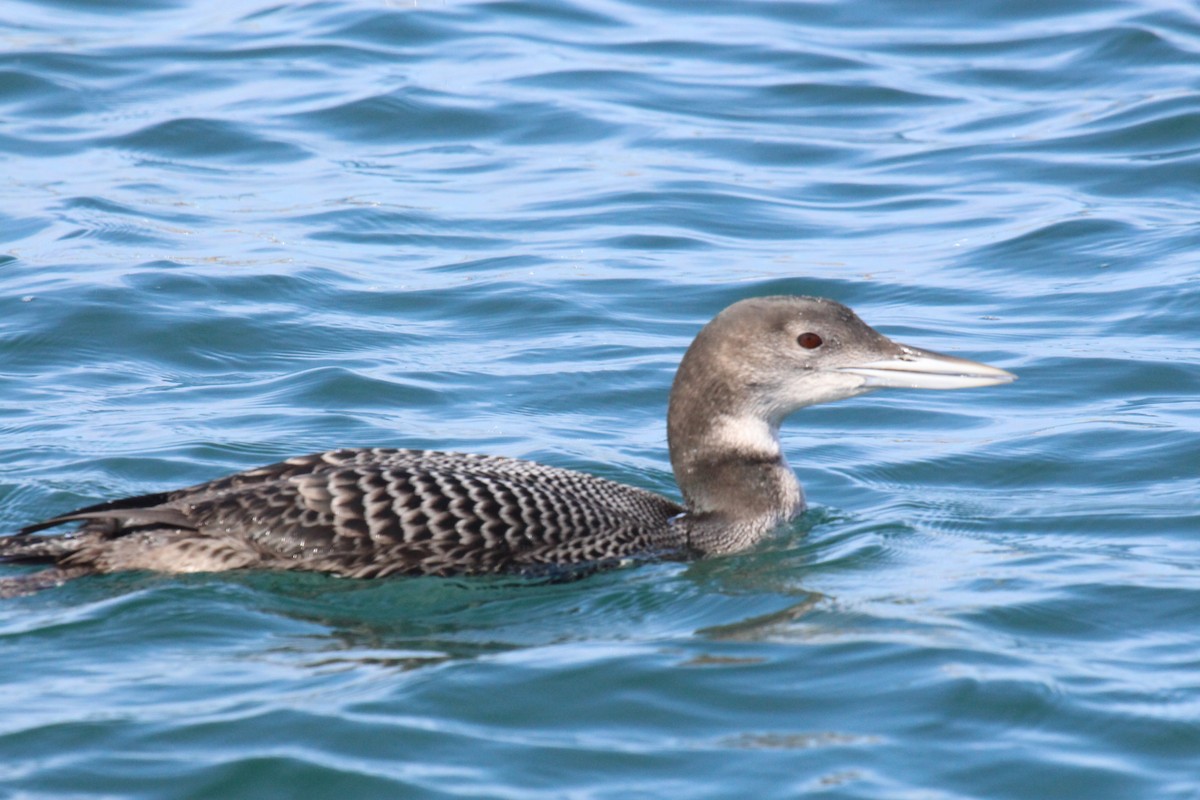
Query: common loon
column 370, row 513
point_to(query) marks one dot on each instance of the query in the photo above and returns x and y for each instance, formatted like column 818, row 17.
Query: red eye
column 809, row 341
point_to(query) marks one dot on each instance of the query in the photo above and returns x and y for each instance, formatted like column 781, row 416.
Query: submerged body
column 368, row 513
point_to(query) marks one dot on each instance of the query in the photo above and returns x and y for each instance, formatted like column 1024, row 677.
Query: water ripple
column 236, row 232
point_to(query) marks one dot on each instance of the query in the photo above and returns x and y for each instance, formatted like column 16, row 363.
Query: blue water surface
column 233, row 232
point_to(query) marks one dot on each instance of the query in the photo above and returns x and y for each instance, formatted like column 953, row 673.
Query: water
column 234, row 232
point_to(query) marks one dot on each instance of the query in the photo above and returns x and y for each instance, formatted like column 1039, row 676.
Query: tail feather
column 34, row 582
column 27, row 549
column 144, row 506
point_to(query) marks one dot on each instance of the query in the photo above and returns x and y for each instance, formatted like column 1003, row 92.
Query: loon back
column 368, row 513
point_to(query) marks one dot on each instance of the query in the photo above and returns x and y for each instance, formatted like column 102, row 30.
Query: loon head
column 766, row 357
column 754, row 364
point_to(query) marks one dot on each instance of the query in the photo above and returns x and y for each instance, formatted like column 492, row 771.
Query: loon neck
column 726, row 455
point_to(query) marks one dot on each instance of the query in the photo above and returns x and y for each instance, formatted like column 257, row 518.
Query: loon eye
column 809, row 341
